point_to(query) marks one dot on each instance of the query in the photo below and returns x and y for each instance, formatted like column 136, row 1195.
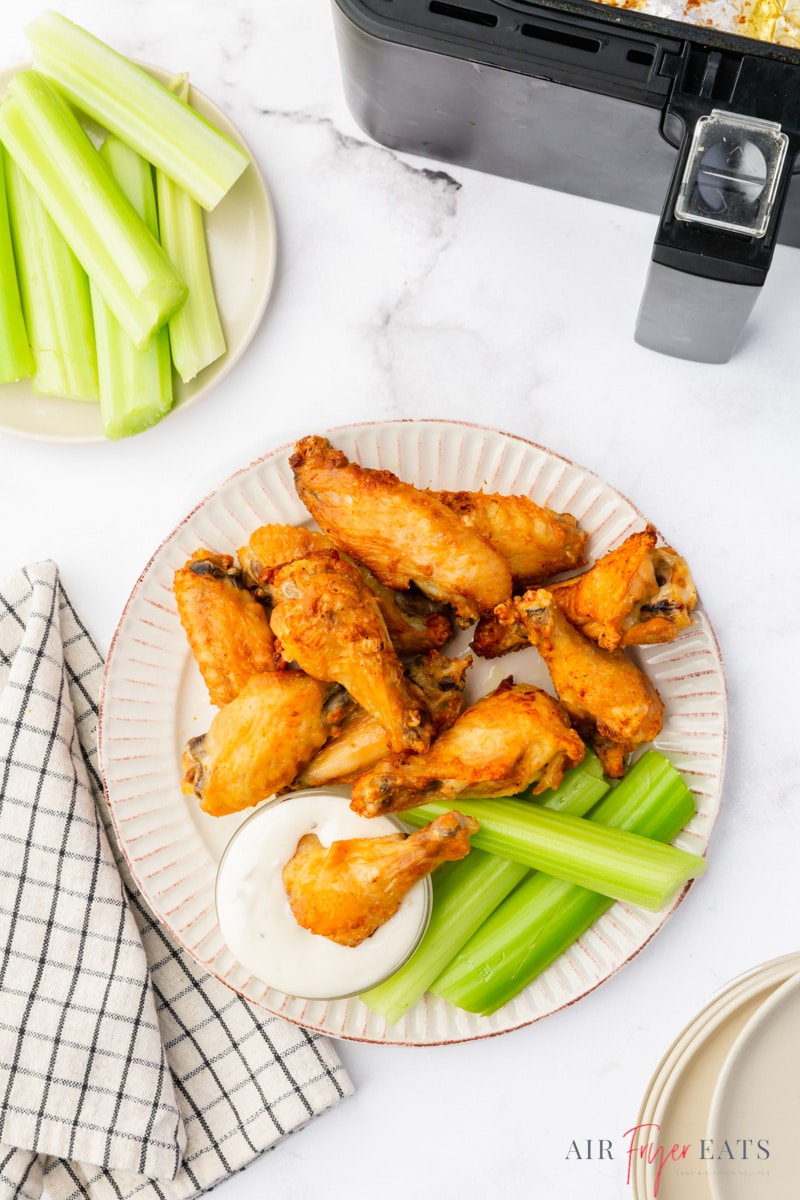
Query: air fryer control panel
column 699, row 127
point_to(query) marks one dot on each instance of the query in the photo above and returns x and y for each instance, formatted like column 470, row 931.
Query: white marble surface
column 469, row 297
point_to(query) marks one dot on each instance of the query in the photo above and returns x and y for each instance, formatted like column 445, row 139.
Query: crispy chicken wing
column 226, row 626
column 414, row 622
column 610, row 700
column 271, row 546
column 491, row 638
column 514, row 737
column 362, row 741
column 637, row 594
column 349, row 890
column 258, row 743
column 329, row 622
column 537, row 542
column 403, row 535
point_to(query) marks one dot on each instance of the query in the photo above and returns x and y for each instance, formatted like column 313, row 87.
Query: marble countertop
column 408, row 291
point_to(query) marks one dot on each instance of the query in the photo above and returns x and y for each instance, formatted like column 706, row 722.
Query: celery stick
column 544, row 916
column 132, row 104
column 614, row 862
column 55, row 298
column 135, row 382
column 101, row 227
column 195, row 332
column 467, row 892
column 16, row 360
column 463, row 897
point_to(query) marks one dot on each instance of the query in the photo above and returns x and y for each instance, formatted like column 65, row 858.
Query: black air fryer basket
column 698, row 125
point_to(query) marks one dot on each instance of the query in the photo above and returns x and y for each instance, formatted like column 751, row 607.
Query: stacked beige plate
column 720, row 1118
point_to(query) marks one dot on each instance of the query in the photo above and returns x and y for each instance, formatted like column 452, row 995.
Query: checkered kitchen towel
column 125, row 1070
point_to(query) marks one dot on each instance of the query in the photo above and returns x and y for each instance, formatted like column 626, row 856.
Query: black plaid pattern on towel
column 125, row 1069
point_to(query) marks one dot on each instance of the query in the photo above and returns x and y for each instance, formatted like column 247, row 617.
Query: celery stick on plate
column 16, row 361
column 143, row 112
column 544, row 916
column 135, row 382
column 55, row 298
column 613, row 861
column 465, row 893
column 195, row 331
column 106, row 234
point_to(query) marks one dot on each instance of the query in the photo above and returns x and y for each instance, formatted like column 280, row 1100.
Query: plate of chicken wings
column 399, row 606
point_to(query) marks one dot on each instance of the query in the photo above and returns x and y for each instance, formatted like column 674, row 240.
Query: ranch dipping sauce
column 256, row 919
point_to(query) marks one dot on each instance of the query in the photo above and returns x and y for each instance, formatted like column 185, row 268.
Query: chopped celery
column 614, row 862
column 135, row 382
column 195, row 331
column 129, row 102
column 16, row 361
column 55, row 298
column 544, row 916
column 467, row 892
column 101, row 227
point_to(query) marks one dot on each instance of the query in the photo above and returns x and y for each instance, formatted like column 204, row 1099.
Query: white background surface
column 480, row 299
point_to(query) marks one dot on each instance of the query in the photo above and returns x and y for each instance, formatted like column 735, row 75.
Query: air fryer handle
column 716, row 235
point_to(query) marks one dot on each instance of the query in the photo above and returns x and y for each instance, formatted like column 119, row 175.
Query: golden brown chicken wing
column 637, row 594
column 362, row 741
column 403, row 535
column 414, row 622
column 258, row 743
column 537, row 542
column 227, row 628
column 516, row 736
column 349, row 890
column 271, row 546
column 492, row 638
column 611, row 701
column 329, row 622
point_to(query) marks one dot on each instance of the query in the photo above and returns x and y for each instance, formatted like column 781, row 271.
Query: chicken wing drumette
column 350, row 889
column 516, row 736
column 403, row 535
column 637, row 594
column 328, row 621
column 537, row 542
column 414, row 622
column 362, row 741
column 257, row 744
column 612, row 702
column 227, row 627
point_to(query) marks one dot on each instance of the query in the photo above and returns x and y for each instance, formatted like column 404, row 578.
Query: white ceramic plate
column 153, row 700
column 676, row 1106
column 242, row 246
column 758, row 1097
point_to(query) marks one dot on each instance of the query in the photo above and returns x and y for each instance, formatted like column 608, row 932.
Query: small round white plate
column 676, row 1106
column 153, row 700
column 757, row 1098
column 242, row 248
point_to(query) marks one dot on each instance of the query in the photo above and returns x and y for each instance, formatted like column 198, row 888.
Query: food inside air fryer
column 765, row 20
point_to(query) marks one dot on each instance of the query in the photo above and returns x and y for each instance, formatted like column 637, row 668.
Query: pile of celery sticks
column 105, row 284
column 541, row 871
